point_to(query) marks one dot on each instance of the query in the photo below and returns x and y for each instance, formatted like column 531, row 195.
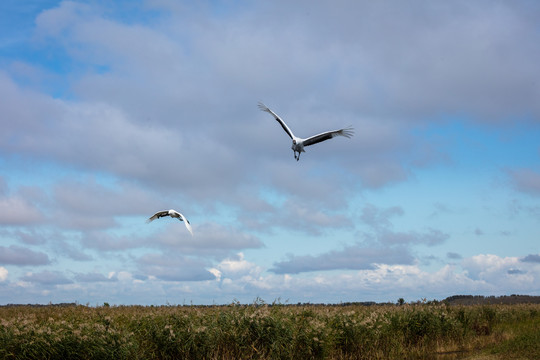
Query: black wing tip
column 348, row 132
column 263, row 107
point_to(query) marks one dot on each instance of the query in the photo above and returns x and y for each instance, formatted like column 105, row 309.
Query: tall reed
column 257, row 331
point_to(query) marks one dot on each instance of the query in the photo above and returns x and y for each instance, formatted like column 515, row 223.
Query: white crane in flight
column 299, row 143
column 174, row 214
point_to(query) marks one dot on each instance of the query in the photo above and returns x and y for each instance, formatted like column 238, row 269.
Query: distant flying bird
column 174, row 214
column 299, row 143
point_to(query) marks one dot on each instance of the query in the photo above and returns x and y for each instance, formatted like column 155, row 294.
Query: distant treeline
column 491, row 300
column 42, row 305
column 451, row 300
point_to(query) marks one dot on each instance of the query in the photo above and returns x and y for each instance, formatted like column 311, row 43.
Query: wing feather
column 279, row 120
column 347, row 132
column 186, row 222
column 157, row 215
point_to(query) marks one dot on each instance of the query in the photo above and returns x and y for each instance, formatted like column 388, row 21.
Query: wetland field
column 422, row 330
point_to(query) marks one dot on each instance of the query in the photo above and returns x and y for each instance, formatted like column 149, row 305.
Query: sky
column 111, row 111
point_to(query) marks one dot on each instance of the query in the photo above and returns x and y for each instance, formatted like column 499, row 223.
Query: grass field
column 263, row 331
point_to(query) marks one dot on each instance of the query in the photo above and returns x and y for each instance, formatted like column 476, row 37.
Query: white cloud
column 243, row 280
column 15, row 210
column 17, row 255
column 47, row 278
column 172, row 267
column 358, row 256
column 104, row 241
column 93, row 277
column 3, row 274
column 488, row 266
column 209, row 239
column 237, row 267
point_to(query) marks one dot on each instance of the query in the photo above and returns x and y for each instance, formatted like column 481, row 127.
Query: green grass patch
column 523, row 341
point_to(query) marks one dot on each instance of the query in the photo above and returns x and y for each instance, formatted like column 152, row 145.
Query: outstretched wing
column 347, row 132
column 283, row 125
column 157, row 215
column 186, row 222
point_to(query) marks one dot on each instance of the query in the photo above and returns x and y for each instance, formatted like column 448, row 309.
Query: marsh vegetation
column 271, row 331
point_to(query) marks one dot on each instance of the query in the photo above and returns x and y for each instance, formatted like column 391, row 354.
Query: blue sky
column 111, row 112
